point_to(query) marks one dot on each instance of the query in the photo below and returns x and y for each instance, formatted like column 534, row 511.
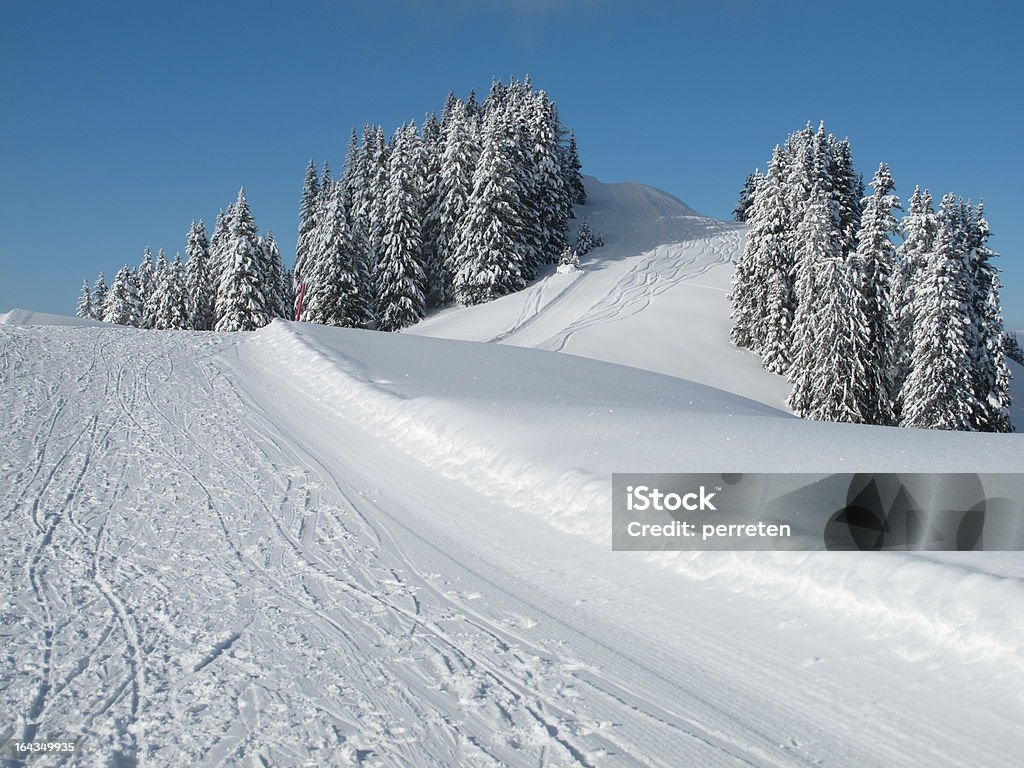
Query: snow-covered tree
column 123, row 304
column 586, row 240
column 400, row 277
column 279, row 294
column 990, row 374
column 938, row 392
column 198, row 280
column 84, row 309
column 308, row 207
column 144, row 278
column 99, row 295
column 873, row 266
column 840, row 333
column 242, row 301
column 333, row 293
column 577, row 191
column 488, row 247
column 817, row 252
column 170, row 298
column 553, row 198
column 742, row 210
column 152, row 298
column 454, row 186
column 762, row 290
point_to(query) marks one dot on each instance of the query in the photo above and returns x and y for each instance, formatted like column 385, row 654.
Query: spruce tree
column 154, row 296
column 873, row 266
column 332, row 291
column 454, row 186
column 123, row 304
column 577, row 191
column 817, row 247
column 84, row 309
column 308, row 207
column 488, row 249
column 840, row 334
column 198, row 280
column 144, row 278
column 990, row 373
column 742, row 210
column 242, row 303
column 554, row 199
column 99, row 294
column 918, row 229
column 400, row 277
column 939, row 392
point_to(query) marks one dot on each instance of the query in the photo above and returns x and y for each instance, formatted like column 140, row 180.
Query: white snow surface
column 316, row 546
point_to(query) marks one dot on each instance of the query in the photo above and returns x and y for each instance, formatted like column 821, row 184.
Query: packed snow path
column 203, row 566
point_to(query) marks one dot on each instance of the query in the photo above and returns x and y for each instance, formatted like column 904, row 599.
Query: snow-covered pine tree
column 99, row 294
column 154, row 297
column 400, row 277
column 123, row 305
column 553, row 198
column 308, row 206
column 333, row 294
column 840, row 333
column 144, row 279
column 817, row 246
column 84, row 309
column 918, row 229
column 350, row 174
column 242, row 303
column 512, row 118
column 430, row 186
column 378, row 176
column 170, row 296
column 872, row 267
column 847, row 192
column 577, row 191
column 454, row 186
column 198, row 280
column 279, row 301
column 488, row 250
column 768, row 244
column 989, row 371
column 742, row 210
column 938, row 392
column 585, row 239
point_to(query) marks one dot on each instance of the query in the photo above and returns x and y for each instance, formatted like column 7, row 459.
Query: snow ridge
column 431, row 431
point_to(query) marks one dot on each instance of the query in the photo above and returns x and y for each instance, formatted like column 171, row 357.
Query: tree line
column 466, row 208
column 868, row 331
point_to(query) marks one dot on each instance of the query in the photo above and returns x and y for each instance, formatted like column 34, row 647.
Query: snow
column 317, row 546
column 28, row 317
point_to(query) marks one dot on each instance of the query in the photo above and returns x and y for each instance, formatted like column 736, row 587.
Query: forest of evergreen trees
column 866, row 330
column 467, row 208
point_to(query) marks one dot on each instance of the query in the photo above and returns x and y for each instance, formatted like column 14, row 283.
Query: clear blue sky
column 121, row 122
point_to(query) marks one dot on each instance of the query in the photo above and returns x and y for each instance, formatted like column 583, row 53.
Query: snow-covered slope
column 316, row 546
column 28, row 317
column 654, row 297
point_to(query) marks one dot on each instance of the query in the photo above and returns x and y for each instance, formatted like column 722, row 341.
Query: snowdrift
column 543, row 432
column 28, row 317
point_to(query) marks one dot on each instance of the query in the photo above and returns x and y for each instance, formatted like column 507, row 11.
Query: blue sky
column 124, row 121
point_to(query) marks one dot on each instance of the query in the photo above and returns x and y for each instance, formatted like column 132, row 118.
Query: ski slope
column 316, row 546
